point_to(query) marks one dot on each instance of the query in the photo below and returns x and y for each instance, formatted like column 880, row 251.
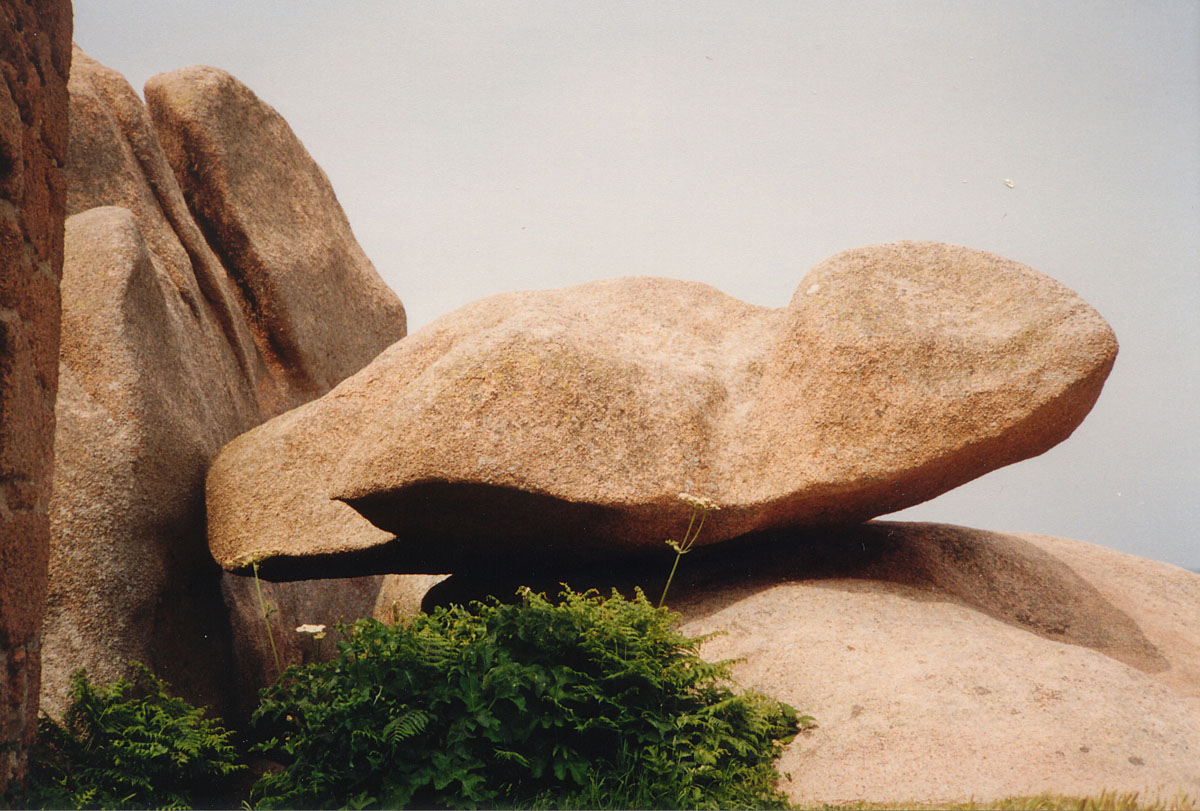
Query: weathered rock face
column 403, row 595
column 944, row 663
column 167, row 354
column 548, row 426
column 271, row 214
column 907, row 369
column 35, row 58
column 116, row 159
column 313, row 602
column 137, row 424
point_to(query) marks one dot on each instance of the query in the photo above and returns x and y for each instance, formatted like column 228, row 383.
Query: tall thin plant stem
column 701, row 507
column 670, row 577
column 266, row 615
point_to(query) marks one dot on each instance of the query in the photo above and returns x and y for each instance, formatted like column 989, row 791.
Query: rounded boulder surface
column 945, row 664
column 544, row 426
column 942, row 663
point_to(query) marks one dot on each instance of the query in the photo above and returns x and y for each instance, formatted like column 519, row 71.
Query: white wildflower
column 699, row 502
column 311, row 629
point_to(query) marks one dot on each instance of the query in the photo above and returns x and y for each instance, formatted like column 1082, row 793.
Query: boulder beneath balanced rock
column 942, row 663
column 530, row 428
column 173, row 343
column 947, row 664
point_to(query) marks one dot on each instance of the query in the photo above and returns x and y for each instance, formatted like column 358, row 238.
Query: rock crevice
column 163, row 362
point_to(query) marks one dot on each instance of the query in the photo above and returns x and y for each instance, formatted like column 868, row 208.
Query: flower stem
column 700, row 507
column 670, row 577
column 266, row 615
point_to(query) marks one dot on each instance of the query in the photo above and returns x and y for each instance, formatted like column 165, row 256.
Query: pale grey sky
column 490, row 146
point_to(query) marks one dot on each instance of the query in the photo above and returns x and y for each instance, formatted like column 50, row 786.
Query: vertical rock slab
column 310, row 293
column 116, row 160
column 35, row 58
column 142, row 408
column 166, row 357
column 158, row 369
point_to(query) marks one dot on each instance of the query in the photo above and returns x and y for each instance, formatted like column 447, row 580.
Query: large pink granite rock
column 547, row 426
column 168, row 352
column 268, row 209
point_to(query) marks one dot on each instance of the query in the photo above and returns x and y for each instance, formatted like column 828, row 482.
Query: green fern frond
column 406, row 726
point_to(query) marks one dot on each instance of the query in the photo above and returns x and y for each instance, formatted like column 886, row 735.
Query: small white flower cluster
column 317, row 631
column 699, row 502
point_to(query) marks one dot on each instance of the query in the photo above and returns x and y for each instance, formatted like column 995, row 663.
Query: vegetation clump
column 585, row 702
column 589, row 702
column 130, row 745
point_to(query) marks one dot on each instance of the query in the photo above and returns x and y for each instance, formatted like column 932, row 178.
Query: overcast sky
column 484, row 147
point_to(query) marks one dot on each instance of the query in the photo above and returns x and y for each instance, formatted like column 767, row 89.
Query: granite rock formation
column 35, row 59
column 942, row 663
column 945, row 663
column 185, row 323
column 272, row 216
column 533, row 429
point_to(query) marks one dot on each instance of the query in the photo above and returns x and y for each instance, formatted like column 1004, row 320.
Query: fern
column 129, row 744
column 503, row 705
column 406, row 726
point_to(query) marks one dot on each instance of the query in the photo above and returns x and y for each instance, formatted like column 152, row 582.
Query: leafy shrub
column 129, row 745
column 591, row 702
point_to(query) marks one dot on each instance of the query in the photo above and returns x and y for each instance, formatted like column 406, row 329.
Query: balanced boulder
column 542, row 427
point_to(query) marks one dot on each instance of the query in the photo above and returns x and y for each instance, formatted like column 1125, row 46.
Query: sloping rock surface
column 166, row 356
column 562, row 424
column 271, row 214
column 35, row 58
column 942, row 663
column 945, row 664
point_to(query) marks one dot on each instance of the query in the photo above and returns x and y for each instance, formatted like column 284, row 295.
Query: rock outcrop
column 309, row 291
column 943, row 663
column 543, row 427
column 186, row 321
column 35, row 59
